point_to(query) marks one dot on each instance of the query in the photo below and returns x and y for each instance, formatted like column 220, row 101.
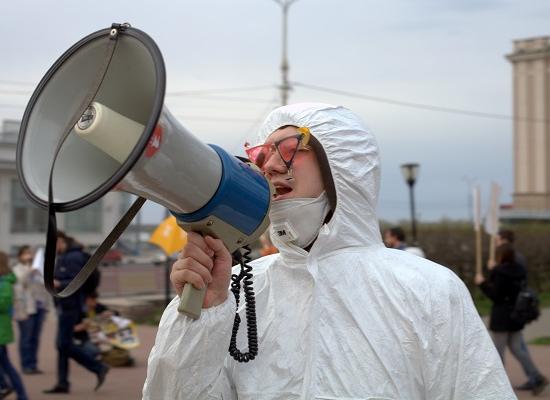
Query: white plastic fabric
column 417, row 251
column 350, row 320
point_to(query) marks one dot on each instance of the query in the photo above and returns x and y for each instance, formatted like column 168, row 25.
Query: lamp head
column 410, row 172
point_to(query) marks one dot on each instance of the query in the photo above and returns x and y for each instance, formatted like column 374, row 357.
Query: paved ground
column 539, row 328
column 540, row 355
column 121, row 383
column 126, row 383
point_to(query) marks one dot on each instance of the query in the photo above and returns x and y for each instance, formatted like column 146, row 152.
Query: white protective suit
column 351, row 319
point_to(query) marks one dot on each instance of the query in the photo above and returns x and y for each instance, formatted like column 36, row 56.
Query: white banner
column 492, row 218
column 38, row 260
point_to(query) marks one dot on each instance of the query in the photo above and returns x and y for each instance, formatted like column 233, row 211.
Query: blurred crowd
column 87, row 331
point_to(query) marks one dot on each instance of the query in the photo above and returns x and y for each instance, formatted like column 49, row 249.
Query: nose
column 274, row 165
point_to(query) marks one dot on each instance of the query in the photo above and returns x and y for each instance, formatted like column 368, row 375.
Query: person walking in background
column 70, row 260
column 30, row 308
column 394, row 238
column 502, row 287
column 5, row 389
column 7, row 280
column 508, row 236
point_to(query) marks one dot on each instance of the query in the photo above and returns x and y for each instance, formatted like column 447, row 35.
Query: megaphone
column 96, row 122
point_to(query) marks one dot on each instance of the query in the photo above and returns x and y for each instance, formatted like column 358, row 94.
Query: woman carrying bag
column 502, row 287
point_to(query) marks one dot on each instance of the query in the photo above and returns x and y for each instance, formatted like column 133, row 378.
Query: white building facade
column 21, row 222
column 531, row 87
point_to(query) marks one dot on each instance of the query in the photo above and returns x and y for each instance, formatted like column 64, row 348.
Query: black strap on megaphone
column 86, row 271
column 51, row 236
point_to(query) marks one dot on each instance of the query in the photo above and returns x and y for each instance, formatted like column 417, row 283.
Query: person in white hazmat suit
column 340, row 316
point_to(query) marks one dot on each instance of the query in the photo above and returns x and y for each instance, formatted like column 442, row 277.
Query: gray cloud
column 442, row 53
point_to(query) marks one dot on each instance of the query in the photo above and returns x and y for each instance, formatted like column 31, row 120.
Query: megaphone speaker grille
column 133, row 87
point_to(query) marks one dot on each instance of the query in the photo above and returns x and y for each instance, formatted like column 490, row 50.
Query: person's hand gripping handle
column 201, row 274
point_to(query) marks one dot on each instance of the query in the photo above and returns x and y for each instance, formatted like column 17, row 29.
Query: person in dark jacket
column 502, row 287
column 70, row 260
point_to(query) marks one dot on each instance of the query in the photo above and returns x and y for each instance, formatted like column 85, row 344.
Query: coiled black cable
column 252, row 329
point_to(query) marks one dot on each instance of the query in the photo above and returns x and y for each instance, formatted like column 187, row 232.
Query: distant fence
column 452, row 244
column 132, row 280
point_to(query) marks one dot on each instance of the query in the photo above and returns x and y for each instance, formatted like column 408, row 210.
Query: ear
column 326, row 173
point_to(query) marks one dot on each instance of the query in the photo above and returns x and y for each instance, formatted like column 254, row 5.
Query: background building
column 531, row 88
column 21, row 222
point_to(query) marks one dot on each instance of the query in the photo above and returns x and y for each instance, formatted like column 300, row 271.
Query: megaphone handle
column 191, row 300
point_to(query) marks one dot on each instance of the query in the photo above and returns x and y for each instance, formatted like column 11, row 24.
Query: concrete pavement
column 121, row 383
column 539, row 354
column 540, row 327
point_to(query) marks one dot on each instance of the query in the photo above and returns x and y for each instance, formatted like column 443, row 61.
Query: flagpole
column 478, row 252
column 169, row 237
column 167, row 268
column 492, row 248
column 477, row 227
column 492, row 224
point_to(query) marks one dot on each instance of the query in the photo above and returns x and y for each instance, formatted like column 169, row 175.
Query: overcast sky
column 441, row 53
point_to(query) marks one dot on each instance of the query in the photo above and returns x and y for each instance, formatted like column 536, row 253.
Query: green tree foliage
column 452, row 244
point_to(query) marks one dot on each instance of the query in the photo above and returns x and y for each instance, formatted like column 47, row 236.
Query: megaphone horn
column 97, row 122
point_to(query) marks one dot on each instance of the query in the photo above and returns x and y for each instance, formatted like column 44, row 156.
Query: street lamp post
column 285, row 85
column 410, row 173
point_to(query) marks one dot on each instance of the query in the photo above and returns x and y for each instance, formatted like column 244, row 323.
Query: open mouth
column 281, row 191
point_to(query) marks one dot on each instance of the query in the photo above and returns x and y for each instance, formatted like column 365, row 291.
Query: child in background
column 101, row 334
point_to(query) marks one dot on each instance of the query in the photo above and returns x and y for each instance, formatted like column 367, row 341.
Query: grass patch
column 541, row 341
column 544, row 298
column 483, row 303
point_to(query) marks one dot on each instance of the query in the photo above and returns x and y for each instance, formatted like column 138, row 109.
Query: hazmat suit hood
column 350, row 319
column 352, row 154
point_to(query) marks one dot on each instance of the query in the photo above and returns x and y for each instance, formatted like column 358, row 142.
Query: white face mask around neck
column 299, row 220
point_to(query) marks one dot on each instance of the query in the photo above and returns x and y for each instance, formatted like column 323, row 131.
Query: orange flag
column 169, row 236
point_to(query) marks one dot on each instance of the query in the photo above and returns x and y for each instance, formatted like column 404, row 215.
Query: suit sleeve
column 189, row 356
